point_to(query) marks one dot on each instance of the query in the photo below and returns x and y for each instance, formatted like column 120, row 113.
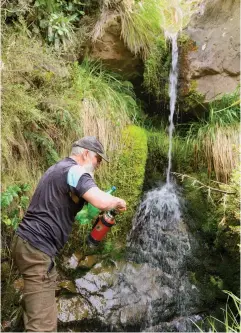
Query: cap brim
column 104, row 157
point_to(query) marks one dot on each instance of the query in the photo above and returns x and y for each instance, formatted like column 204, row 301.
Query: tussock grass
column 107, row 106
column 48, row 104
column 215, row 140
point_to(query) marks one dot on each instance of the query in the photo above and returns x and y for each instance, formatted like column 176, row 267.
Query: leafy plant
column 54, row 19
column 104, row 115
column 14, row 202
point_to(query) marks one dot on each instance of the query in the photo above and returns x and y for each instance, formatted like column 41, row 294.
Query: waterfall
column 159, row 236
column 173, row 96
column 160, row 239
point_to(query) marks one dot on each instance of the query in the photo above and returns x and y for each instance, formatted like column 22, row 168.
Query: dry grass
column 215, row 140
column 221, row 152
column 97, row 124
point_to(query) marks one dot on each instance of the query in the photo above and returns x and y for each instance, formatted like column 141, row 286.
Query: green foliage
column 14, row 202
column 140, row 26
column 126, row 172
column 44, row 98
column 55, row 20
column 214, row 139
column 158, row 145
column 192, row 101
column 130, row 172
column 157, row 159
column 45, row 145
column 231, row 203
column 231, row 317
column 156, row 70
column 92, row 83
column 142, row 22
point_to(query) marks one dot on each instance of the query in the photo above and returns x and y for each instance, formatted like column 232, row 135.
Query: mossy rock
column 157, row 160
column 130, row 173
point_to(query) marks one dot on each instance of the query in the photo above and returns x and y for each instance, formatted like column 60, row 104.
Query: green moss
column 192, row 100
column 156, row 70
column 157, row 160
column 129, row 174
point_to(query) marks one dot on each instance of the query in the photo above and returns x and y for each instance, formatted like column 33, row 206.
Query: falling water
column 173, row 97
column 159, row 238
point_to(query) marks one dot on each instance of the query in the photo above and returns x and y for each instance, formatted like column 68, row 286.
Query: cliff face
column 214, row 61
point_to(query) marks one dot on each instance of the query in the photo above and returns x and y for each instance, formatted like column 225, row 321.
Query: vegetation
column 156, row 71
column 214, row 139
column 44, row 97
column 48, row 102
column 231, row 315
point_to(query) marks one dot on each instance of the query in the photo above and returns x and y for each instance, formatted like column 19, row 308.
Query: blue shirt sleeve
column 81, row 182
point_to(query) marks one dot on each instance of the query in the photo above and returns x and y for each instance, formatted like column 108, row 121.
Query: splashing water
column 173, row 97
column 160, row 239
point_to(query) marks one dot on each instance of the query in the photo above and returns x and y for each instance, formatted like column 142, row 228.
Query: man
column 60, row 194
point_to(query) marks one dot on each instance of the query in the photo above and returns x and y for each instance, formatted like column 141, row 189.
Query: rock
column 73, row 261
column 68, row 285
column 73, row 309
column 88, row 261
column 120, row 295
column 152, row 289
column 181, row 324
column 214, row 63
column 111, row 50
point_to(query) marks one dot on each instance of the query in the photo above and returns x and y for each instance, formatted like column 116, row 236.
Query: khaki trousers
column 39, row 274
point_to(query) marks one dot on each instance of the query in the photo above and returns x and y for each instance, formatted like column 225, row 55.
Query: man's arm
column 103, row 200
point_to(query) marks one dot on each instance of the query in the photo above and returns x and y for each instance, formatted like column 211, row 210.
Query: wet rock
column 181, row 324
column 73, row 261
column 68, row 285
column 121, row 296
column 150, row 289
column 88, row 261
column 73, row 309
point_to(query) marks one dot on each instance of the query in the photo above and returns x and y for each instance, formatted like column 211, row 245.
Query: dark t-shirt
column 51, row 213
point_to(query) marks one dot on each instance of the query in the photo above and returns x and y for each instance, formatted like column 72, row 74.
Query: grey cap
column 91, row 143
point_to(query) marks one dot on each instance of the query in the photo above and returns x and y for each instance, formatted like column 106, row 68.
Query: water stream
column 159, row 237
column 173, row 97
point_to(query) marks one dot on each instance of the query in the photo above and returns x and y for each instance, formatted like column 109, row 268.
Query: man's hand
column 121, row 205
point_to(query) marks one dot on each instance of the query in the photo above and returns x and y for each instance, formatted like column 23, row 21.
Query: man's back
column 48, row 220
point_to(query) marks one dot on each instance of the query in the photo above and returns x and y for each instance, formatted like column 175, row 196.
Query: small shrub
column 14, row 202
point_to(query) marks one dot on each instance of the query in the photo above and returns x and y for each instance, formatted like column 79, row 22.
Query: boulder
column 212, row 64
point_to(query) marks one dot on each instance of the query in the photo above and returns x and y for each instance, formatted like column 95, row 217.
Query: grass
column 48, row 104
column 231, row 317
column 214, row 140
column 142, row 22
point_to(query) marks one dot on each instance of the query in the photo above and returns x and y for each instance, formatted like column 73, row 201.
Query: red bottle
column 101, row 228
